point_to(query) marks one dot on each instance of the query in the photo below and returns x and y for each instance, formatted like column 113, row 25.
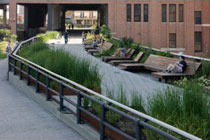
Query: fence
column 42, row 79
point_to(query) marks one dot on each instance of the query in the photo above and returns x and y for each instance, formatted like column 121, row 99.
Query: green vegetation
column 187, row 109
column 48, row 35
column 105, row 32
column 6, row 35
column 2, row 55
column 64, row 64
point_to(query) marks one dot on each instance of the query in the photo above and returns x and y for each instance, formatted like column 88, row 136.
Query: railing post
column 48, row 91
column 78, row 108
column 28, row 75
column 21, row 67
column 138, row 129
column 37, row 80
column 15, row 61
column 8, row 68
column 102, row 128
column 61, row 97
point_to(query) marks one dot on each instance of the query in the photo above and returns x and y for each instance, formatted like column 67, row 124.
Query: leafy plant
column 105, row 32
column 6, row 35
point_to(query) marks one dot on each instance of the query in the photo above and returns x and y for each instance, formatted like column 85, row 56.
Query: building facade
column 178, row 25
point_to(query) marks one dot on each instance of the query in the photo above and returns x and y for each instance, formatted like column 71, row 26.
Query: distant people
column 83, row 36
column 72, row 26
column 16, row 45
column 121, row 52
column 66, row 37
column 8, row 49
column 178, row 67
column 97, row 32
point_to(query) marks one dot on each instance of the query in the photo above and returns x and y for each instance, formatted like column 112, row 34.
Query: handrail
column 140, row 114
column 175, row 54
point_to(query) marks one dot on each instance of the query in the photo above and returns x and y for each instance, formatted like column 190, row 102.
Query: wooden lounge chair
column 191, row 69
column 136, row 60
column 127, row 57
column 105, row 46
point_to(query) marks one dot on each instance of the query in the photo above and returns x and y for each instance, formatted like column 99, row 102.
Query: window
column 198, row 15
column 172, row 40
column 146, row 12
column 172, row 12
column 137, row 12
column 181, row 12
column 129, row 9
column 164, row 13
column 198, row 41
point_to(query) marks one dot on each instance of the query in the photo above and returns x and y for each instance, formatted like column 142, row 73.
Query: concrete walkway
column 113, row 78
column 23, row 119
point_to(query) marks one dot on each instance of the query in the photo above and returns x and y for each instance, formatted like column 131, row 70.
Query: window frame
column 146, row 12
column 195, row 17
column 137, row 8
column 196, row 42
column 164, row 13
column 181, row 13
column 172, row 14
column 174, row 40
column 129, row 12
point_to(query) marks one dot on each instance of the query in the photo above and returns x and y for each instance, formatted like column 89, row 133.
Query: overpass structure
column 178, row 25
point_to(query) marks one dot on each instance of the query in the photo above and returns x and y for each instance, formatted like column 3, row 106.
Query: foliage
column 105, row 32
column 126, row 42
column 48, row 35
column 64, row 64
column 6, row 35
column 187, row 109
column 110, row 51
column 2, row 55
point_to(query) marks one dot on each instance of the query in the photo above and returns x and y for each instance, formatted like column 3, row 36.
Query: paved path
column 23, row 119
column 113, row 78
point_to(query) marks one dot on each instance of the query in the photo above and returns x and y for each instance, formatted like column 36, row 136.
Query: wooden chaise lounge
column 136, row 60
column 158, row 64
column 191, row 69
column 128, row 56
column 105, row 46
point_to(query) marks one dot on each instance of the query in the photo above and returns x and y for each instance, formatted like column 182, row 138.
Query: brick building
column 182, row 25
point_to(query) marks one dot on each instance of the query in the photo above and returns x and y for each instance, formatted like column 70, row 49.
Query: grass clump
column 187, row 109
column 48, row 35
column 2, row 55
column 64, row 64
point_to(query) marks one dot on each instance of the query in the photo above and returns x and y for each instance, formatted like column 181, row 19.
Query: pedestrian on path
column 66, row 37
column 8, row 49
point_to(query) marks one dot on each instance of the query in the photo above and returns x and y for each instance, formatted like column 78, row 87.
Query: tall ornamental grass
column 187, row 109
column 64, row 64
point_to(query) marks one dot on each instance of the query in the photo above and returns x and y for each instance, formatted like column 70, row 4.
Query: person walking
column 66, row 37
column 8, row 49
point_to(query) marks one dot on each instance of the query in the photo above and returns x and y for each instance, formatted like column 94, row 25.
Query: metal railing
column 142, row 121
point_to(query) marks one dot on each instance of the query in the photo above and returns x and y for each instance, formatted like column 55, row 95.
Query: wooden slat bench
column 136, row 60
column 105, row 46
column 128, row 56
column 158, row 64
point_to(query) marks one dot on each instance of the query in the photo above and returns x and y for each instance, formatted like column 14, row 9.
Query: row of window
column 172, row 13
column 197, row 38
column 137, row 12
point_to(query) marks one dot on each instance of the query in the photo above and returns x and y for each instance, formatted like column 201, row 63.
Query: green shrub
column 105, row 32
column 6, row 35
column 48, row 35
column 126, row 42
column 2, row 55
